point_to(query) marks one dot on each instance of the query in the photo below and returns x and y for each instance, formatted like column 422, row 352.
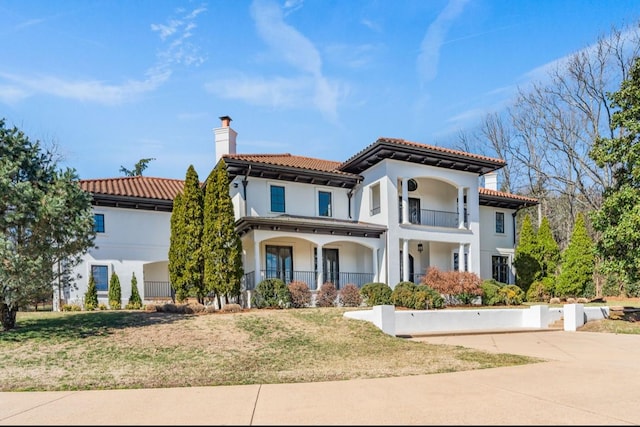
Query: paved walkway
column 589, row 379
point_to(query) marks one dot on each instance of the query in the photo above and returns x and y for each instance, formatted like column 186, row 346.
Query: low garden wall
column 417, row 322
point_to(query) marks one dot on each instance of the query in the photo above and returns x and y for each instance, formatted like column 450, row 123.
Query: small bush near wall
column 376, row 293
column 490, row 294
column 327, row 295
column 349, row 296
column 458, row 287
column 271, row 293
column 417, row 297
column 541, row 290
column 300, row 294
column 511, row 294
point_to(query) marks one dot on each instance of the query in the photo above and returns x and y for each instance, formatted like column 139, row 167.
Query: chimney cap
column 226, row 120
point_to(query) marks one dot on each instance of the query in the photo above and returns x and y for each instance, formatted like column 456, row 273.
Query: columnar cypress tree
column 221, row 243
column 578, row 260
column 548, row 251
column 526, row 261
column 115, row 292
column 177, row 249
column 91, row 296
column 134, row 300
column 186, row 265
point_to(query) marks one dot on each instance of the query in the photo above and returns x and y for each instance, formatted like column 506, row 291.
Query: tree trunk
column 7, row 317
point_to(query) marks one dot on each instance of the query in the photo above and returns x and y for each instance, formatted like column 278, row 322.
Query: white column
column 405, row 201
column 374, row 263
column 320, row 279
column 460, row 207
column 405, row 260
column 470, row 266
column 461, row 257
column 256, row 261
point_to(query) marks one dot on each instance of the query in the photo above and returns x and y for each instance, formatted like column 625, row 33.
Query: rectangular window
column 456, row 261
column 101, row 276
column 500, row 268
column 277, row 198
column 500, row 222
column 324, row 203
column 375, row 199
column 98, row 223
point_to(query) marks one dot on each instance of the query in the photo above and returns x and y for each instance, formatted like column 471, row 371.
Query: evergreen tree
column 526, row 259
column 135, row 301
column 91, row 295
column 115, row 292
column 221, row 244
column 618, row 219
column 548, row 251
column 45, row 223
column 578, row 260
column 188, row 264
column 177, row 249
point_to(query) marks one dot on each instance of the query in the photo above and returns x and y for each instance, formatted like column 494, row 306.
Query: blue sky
column 110, row 82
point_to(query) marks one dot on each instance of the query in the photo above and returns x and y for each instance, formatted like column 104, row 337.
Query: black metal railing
column 311, row 277
column 434, row 218
column 156, row 289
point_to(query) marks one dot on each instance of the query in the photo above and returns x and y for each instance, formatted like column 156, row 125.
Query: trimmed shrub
column 490, row 292
column 327, row 295
column 300, row 294
column 70, row 307
column 457, row 287
column 427, row 298
column 91, row 296
column 376, row 293
column 511, row 294
column 231, row 308
column 271, row 293
column 403, row 295
column 349, row 296
column 541, row 290
column 115, row 292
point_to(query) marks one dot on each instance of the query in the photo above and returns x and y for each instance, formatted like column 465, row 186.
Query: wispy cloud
column 427, row 62
column 295, row 50
column 177, row 51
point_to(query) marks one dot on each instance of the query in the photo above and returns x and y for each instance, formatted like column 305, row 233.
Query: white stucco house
column 385, row 214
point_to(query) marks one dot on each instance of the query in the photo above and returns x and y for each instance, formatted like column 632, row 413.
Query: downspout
column 350, row 195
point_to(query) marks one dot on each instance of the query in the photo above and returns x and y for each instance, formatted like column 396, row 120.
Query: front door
column 414, row 210
column 331, row 267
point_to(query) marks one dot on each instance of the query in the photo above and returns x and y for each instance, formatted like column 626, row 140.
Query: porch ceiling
column 309, row 225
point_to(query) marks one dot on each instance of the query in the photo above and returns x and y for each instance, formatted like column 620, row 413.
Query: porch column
column 320, row 278
column 256, row 261
column 405, row 201
column 374, row 263
column 460, row 207
column 405, row 260
column 470, row 267
column 461, row 257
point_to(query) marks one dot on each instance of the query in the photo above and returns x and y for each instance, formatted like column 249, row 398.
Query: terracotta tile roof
column 286, row 159
column 502, row 194
column 441, row 149
column 135, row 186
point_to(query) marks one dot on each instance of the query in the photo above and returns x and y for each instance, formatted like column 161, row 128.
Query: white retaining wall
column 416, row 322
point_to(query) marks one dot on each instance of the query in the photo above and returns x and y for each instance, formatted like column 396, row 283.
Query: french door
column 279, row 263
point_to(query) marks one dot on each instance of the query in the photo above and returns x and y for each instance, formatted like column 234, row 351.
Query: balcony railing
column 434, row 218
column 154, row 289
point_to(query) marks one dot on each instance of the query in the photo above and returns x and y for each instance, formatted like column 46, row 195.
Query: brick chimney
column 225, row 138
column 491, row 181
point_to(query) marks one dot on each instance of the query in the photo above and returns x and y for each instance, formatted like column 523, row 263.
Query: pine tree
column 115, row 292
column 186, row 262
column 526, row 260
column 618, row 219
column 221, row 243
column 135, row 301
column 91, row 295
column 548, row 251
column 578, row 260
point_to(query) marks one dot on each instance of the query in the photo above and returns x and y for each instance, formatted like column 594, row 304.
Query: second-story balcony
column 434, row 218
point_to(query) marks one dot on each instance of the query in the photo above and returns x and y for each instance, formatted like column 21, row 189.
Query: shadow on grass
column 70, row 325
